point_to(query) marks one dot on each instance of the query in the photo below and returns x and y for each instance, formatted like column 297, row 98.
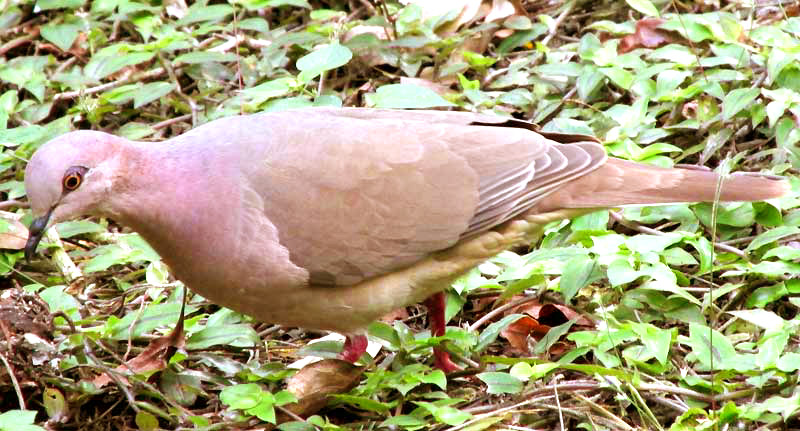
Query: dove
column 329, row 218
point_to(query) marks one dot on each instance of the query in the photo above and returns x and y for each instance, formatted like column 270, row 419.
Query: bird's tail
column 620, row 182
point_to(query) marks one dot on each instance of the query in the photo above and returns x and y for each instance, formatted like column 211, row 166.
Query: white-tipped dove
column 329, row 218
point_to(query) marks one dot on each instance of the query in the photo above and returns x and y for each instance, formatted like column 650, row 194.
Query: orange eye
column 73, row 178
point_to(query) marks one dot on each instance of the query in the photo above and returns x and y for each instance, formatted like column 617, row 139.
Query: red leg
column 436, row 308
column 354, row 347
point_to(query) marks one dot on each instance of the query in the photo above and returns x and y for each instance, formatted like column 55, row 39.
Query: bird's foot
column 442, row 361
column 354, row 347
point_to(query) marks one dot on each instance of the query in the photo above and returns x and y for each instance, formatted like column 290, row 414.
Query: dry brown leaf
column 436, row 87
column 538, row 320
column 648, row 34
column 153, row 357
column 399, row 314
column 315, row 382
column 518, row 332
column 15, row 236
column 501, row 9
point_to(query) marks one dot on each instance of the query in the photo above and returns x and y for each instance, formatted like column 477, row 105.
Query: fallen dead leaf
column 399, row 314
column 13, row 234
column 647, row 35
column 153, row 358
column 538, row 320
column 501, row 9
column 315, row 382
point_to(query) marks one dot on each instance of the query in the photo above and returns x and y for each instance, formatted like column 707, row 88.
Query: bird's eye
column 73, row 178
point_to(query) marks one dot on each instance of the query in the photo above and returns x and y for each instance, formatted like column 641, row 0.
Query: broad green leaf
column 551, row 337
column 525, row 371
column 197, row 57
column 406, row 96
column 150, row 92
column 268, row 90
column 406, row 422
column 68, row 229
column 201, row 12
column 489, row 335
column 445, row 414
column 621, row 272
column 644, row 243
column 61, row 35
column 578, row 273
column 43, row 5
column 618, row 76
column 19, row 420
column 236, row 335
column 59, row 300
column 113, row 59
column 656, row 341
column 762, row 318
column 326, row 58
column 737, row 100
column 137, row 323
column 242, row 396
column 643, row 6
column 145, row 421
column 772, row 235
column 713, row 350
column 364, row 403
column 500, row 383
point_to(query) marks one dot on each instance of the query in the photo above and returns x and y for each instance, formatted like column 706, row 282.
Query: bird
column 329, row 218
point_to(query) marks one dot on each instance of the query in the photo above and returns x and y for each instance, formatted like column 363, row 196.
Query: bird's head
column 67, row 177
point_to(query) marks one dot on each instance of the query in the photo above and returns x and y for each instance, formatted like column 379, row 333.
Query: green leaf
column 296, row 426
column 113, row 59
column 737, row 100
column 525, row 371
column 551, row 337
column 364, row 403
column 643, row 6
column 201, row 12
column 445, row 414
column 242, row 396
column 621, row 272
column 61, row 35
column 236, row 335
column 500, row 383
column 136, row 323
column 198, row 57
column 19, row 420
column 772, row 235
column 44, row 5
column 407, row 422
column 59, row 300
column 151, row 92
column 578, row 273
column 619, row 76
column 145, row 421
column 713, row 350
column 326, row 58
column 406, row 96
column 268, row 90
column 491, row 332
column 644, row 243
column 656, row 341
column 68, row 229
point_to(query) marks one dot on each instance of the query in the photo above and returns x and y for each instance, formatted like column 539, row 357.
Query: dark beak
column 35, row 234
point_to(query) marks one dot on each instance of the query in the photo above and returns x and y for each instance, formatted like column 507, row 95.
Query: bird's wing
column 358, row 193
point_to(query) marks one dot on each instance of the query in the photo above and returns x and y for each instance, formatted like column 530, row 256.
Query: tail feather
column 620, row 182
